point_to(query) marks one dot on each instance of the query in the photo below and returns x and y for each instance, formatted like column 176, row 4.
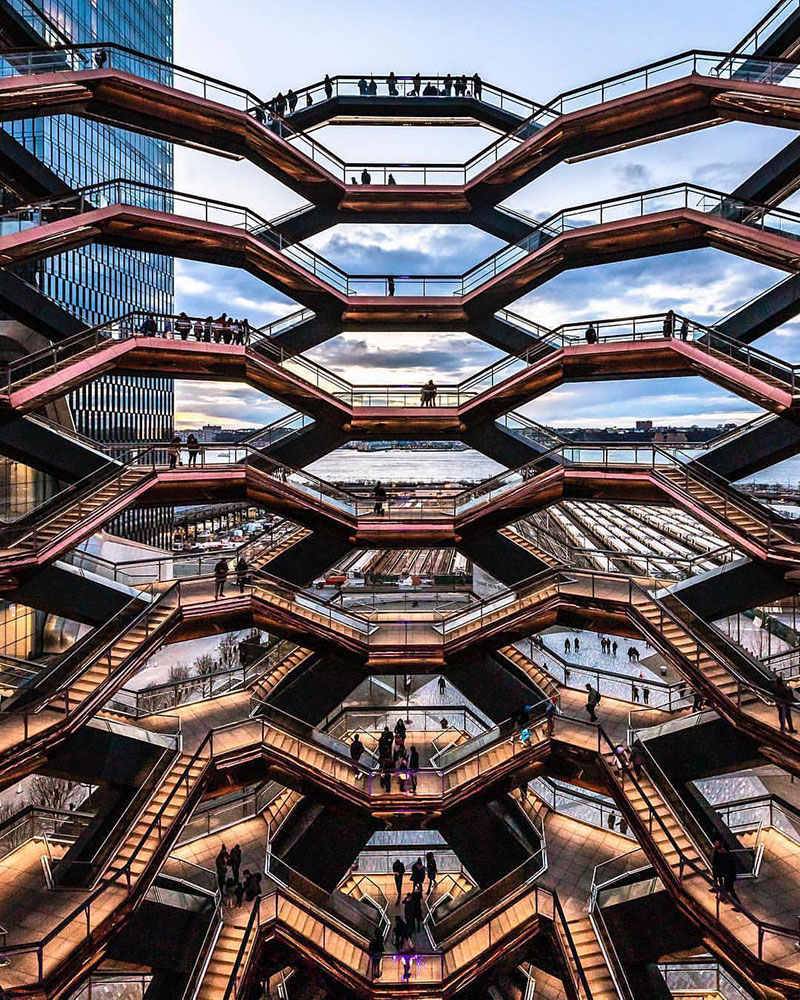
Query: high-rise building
column 100, row 283
column 97, row 283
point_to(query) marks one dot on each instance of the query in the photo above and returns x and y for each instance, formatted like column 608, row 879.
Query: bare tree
column 205, row 664
column 179, row 672
column 53, row 793
column 228, row 652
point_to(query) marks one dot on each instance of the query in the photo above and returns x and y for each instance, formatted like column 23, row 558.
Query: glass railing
column 784, row 664
column 525, row 428
column 227, row 811
column 414, row 86
column 304, row 604
column 337, row 905
column 778, row 530
column 127, row 60
column 672, row 198
column 279, row 430
column 158, row 698
column 37, row 822
column 667, row 199
column 716, row 65
column 421, row 722
column 766, row 27
column 119, row 883
column 712, row 64
column 57, row 678
column 278, row 326
column 457, row 753
column 158, row 199
column 114, row 986
column 610, row 684
column 581, row 805
column 701, row 977
column 47, row 524
column 185, row 566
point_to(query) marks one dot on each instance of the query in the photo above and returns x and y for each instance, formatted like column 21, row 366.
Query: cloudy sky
column 528, row 46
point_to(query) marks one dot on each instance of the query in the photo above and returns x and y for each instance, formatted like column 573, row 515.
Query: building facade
column 99, row 283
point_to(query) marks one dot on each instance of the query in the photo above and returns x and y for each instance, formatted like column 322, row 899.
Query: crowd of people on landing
column 409, row 922
column 222, row 330
column 233, row 888
column 395, row 759
column 282, row 104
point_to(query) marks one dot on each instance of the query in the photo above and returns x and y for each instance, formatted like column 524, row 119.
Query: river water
column 396, row 466
column 400, row 466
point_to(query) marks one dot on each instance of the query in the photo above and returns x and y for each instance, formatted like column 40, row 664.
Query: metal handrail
column 769, row 20
column 714, row 64
column 148, row 598
column 468, row 283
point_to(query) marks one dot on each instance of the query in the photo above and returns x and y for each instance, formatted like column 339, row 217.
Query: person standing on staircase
column 379, row 495
column 193, row 447
column 222, row 866
column 418, row 875
column 550, row 712
column 413, row 768
column 174, row 452
column 356, row 752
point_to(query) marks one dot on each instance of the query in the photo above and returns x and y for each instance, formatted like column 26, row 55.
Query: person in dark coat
column 418, row 875
column 432, row 869
column 222, row 866
column 235, row 861
column 375, row 949
column 592, row 701
column 399, row 870
column 783, row 702
column 400, row 932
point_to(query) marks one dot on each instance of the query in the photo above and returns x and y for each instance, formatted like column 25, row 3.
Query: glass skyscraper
column 99, row 283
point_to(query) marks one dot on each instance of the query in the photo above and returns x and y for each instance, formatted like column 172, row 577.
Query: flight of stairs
column 278, row 597
column 58, row 366
column 268, row 681
column 265, row 557
column 679, row 639
column 510, row 920
column 339, row 948
column 139, row 852
column 77, row 512
column 536, row 596
column 87, row 683
column 592, row 960
column 658, row 834
column 305, row 752
column 489, row 758
column 540, row 677
column 278, row 810
column 223, row 955
column 744, row 523
column 519, row 539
